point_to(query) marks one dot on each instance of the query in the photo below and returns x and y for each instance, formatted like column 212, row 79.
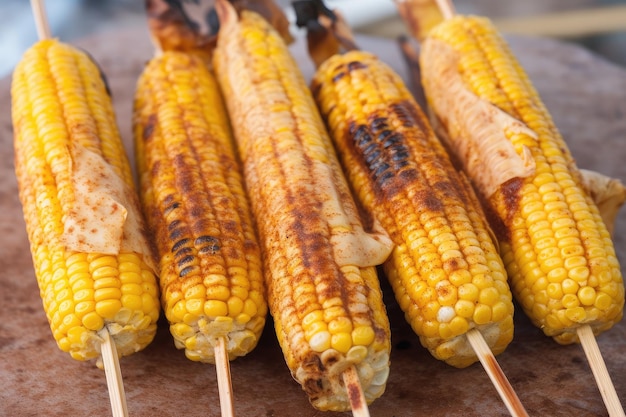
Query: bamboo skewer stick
column 447, row 8
column 41, row 22
column 497, row 376
column 224, row 384
column 113, row 373
column 600, row 372
column 110, row 357
column 355, row 393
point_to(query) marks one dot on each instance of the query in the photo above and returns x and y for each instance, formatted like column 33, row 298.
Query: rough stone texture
column 586, row 97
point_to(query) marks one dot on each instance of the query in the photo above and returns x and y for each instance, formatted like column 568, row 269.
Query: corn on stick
column 109, row 351
column 193, row 196
column 222, row 367
column 332, row 73
column 486, row 357
column 574, row 310
column 322, row 285
column 599, row 370
column 220, row 351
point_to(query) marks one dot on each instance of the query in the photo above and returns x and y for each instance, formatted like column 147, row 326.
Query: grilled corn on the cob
column 555, row 246
column 194, row 200
column 445, row 269
column 94, row 266
column 319, row 258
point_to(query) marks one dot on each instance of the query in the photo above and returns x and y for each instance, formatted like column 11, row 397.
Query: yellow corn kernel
column 215, row 308
column 363, row 335
column 341, row 342
column 235, row 306
column 104, row 294
column 92, row 320
column 482, row 314
column 108, row 308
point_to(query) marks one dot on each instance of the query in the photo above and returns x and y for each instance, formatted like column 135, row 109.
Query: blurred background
column 598, row 25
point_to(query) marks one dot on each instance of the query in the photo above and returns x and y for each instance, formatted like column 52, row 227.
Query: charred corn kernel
column 323, row 290
column 402, row 176
column 193, row 198
column 70, row 165
column 555, row 246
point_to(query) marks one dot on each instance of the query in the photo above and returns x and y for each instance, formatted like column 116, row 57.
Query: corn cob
column 319, row 258
column 93, row 264
column 555, row 246
column 445, row 271
column 192, row 193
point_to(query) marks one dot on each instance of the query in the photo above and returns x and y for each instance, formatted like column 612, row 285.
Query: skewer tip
column 224, row 383
column 113, row 374
column 600, row 371
column 497, row 376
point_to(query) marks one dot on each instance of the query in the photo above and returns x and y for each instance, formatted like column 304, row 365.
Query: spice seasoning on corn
column 94, row 265
column 319, row 256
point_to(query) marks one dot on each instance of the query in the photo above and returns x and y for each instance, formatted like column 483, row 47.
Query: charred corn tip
column 445, row 270
column 193, row 197
column 556, row 248
column 65, row 140
column 319, row 258
column 322, row 345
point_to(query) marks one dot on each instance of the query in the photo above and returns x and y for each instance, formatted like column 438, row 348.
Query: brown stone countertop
column 587, row 99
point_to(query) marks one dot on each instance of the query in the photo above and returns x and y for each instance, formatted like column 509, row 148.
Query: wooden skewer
column 447, row 8
column 355, row 393
column 113, row 374
column 41, row 22
column 499, row 380
column 110, row 358
column 222, row 368
column 600, row 372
